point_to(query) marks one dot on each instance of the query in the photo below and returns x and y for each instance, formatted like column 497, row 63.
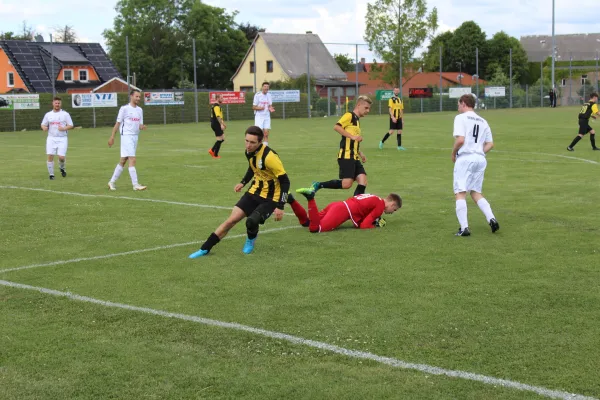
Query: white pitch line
column 363, row 355
column 106, row 196
column 127, row 253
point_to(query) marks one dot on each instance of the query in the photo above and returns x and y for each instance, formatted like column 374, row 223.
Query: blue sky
column 333, row 20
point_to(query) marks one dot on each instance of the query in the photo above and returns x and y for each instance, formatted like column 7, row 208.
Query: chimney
column 362, row 60
column 308, row 32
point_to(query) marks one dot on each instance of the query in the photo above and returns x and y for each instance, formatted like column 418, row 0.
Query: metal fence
column 573, row 81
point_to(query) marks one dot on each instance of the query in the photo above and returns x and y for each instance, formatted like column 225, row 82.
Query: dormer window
column 83, row 75
column 68, row 75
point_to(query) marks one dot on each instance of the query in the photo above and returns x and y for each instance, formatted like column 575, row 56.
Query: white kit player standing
column 57, row 123
column 129, row 122
column 263, row 107
column 473, row 139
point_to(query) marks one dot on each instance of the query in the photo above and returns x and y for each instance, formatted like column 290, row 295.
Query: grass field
column 98, row 299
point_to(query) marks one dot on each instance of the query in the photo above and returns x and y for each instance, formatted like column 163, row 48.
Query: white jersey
column 54, row 119
column 130, row 119
column 265, row 100
column 475, row 130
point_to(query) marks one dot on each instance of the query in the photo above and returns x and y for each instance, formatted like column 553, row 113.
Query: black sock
column 593, row 141
column 360, row 189
column 252, row 235
column 212, row 240
column 217, row 147
column 387, row 135
column 399, row 139
column 290, row 198
column 574, row 142
column 332, row 184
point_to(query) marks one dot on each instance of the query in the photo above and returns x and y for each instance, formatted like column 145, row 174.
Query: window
column 83, row 75
column 563, row 82
column 269, row 66
column 10, row 78
column 252, row 67
column 583, row 79
column 68, row 75
column 246, row 89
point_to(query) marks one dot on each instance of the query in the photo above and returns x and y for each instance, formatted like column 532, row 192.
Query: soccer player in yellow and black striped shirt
column 218, row 126
column 588, row 110
column 396, row 110
column 349, row 154
column 267, row 194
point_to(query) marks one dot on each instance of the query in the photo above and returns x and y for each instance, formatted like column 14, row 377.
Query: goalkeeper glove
column 379, row 222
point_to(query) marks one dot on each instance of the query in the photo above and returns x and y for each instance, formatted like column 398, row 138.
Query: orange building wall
column 4, row 68
column 92, row 75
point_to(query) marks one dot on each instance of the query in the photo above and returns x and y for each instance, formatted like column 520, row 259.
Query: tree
column 466, row 39
column 27, row 33
column 64, row 34
column 431, row 58
column 499, row 47
column 395, row 23
column 344, row 61
column 250, row 31
column 160, row 36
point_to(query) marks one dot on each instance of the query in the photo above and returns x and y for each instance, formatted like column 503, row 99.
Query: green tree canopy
column 395, row 23
column 344, row 61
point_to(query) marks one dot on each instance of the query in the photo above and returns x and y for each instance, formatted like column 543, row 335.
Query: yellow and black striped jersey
column 588, row 109
column 396, row 105
column 267, row 167
column 349, row 148
column 216, row 112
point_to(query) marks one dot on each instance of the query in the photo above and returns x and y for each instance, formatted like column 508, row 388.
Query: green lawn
column 520, row 305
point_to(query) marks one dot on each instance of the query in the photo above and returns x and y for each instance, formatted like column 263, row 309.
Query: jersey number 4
column 476, row 132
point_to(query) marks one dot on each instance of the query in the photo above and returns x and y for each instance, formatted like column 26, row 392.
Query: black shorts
column 217, row 129
column 250, row 203
column 350, row 168
column 396, row 125
column 584, row 126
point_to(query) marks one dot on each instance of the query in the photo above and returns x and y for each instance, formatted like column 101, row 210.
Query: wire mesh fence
column 329, row 88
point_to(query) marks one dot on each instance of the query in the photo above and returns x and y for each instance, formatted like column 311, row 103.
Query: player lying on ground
column 364, row 210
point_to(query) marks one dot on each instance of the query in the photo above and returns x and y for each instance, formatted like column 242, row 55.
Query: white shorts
column 262, row 122
column 56, row 145
column 128, row 145
column 468, row 173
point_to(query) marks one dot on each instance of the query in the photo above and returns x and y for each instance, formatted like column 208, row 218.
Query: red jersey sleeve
column 365, row 209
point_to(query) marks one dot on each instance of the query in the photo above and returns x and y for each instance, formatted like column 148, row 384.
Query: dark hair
column 592, row 95
column 255, row 131
column 265, row 83
column 56, row 98
column 133, row 91
column 396, row 199
column 468, row 100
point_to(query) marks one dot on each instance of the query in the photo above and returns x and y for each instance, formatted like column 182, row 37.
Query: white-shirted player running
column 473, row 139
column 129, row 123
column 263, row 107
column 57, row 123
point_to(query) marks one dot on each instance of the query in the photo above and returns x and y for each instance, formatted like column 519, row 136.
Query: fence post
column 227, row 111
column 510, row 91
column 93, row 114
column 328, row 101
column 14, row 117
column 441, row 94
column 165, row 114
column 196, row 80
column 570, row 77
column 283, row 107
column 307, row 76
column 526, row 96
column 541, row 84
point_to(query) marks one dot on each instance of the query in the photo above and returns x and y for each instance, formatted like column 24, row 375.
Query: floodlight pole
column 52, row 67
column 553, row 42
column 128, row 74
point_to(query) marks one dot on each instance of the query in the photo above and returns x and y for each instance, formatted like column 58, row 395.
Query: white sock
column 61, row 164
column 486, row 209
column 133, row 174
column 117, row 173
column 50, row 167
column 461, row 213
